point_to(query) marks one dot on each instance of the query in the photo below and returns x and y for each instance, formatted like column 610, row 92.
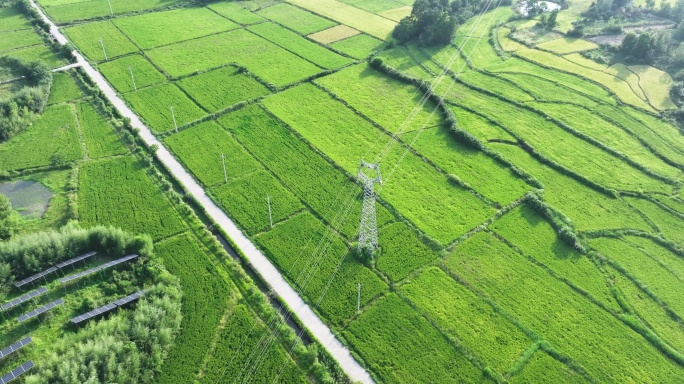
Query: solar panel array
column 75, row 259
column 15, row 347
column 40, row 310
column 16, row 372
column 23, row 298
column 97, row 269
column 35, row 277
column 106, row 308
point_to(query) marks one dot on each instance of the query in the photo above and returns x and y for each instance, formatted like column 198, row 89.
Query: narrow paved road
column 260, row 263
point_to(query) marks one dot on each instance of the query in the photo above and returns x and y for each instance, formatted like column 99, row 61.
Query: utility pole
column 135, row 87
column 225, row 175
column 368, row 228
column 270, row 218
column 174, row 119
column 358, row 299
column 110, row 8
column 103, row 50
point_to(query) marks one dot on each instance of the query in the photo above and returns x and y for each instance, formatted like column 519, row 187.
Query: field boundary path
column 260, row 263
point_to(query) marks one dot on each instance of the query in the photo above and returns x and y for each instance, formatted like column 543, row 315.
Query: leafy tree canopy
column 433, row 22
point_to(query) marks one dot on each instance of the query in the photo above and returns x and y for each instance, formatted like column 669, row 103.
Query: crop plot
column 333, row 34
column 13, row 19
column 594, row 126
column 467, row 318
column 400, row 59
column 63, row 12
column 557, row 144
column 567, row 45
column 506, row 43
column 495, row 85
column 205, row 298
column 668, row 224
column 547, row 90
column 420, row 354
column 295, row 18
column 246, row 199
column 328, row 275
column 118, row 73
column 117, row 192
column 87, row 38
column 471, row 166
column 384, row 100
column 621, row 88
column 100, row 138
column 544, row 368
column 241, row 335
column 346, row 138
column 402, row 251
column 63, row 89
column 154, row 105
column 206, row 163
column 656, row 85
column 17, row 39
column 38, row 53
column 261, row 57
column 535, row 237
column 236, row 12
column 373, row 6
column 663, row 283
column 364, row 21
column 588, row 209
column 308, row 175
column 550, row 308
column 479, row 51
column 359, row 46
column 52, row 137
column 583, row 61
column 578, row 84
column 161, row 28
column 650, row 313
column 300, row 46
column 222, row 88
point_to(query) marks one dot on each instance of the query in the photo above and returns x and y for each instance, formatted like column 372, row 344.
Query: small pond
column 29, row 198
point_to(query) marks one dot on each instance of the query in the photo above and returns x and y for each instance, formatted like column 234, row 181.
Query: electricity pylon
column 368, row 229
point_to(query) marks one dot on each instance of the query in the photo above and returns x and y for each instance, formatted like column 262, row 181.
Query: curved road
column 260, row 263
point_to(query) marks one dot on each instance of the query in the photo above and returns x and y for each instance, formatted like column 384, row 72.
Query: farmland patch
column 200, row 148
column 334, row 34
column 87, row 38
column 154, row 105
column 261, row 57
column 118, row 73
column 236, row 12
column 160, row 28
column 401, row 251
column 222, row 88
column 118, row 192
column 299, row 45
column 359, row 46
column 99, row 136
column 63, row 89
column 295, row 18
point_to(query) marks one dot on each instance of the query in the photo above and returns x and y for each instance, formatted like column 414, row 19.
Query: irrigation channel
column 257, row 260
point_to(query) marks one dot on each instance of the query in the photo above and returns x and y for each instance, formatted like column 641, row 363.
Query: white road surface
column 257, row 259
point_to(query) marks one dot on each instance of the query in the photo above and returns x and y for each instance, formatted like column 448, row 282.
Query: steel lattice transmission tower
column 368, row 229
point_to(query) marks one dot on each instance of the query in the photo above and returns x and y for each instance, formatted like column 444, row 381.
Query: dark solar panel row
column 96, row 269
column 63, row 264
column 15, row 347
column 107, row 308
column 23, row 298
column 35, row 277
column 75, row 259
column 16, row 372
column 40, row 310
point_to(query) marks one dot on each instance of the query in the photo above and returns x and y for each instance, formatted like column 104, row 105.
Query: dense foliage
column 32, row 253
column 433, row 22
column 9, row 219
column 20, row 108
column 130, row 345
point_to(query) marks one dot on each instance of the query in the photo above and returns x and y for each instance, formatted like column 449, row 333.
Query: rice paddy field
column 530, row 214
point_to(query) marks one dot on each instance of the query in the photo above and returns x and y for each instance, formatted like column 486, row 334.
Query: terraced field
column 530, row 217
